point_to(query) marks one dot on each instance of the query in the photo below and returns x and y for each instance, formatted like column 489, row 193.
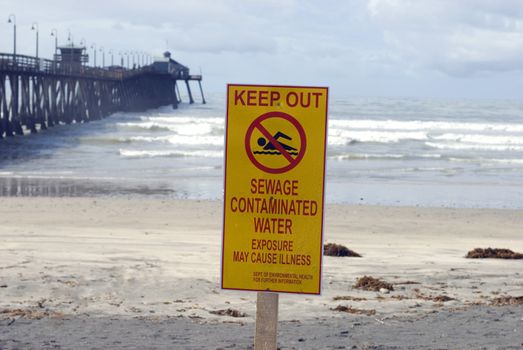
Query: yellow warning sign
column 274, row 188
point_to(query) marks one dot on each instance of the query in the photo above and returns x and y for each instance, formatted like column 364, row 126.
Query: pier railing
column 41, row 66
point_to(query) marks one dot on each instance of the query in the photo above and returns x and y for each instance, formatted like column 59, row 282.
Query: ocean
column 381, row 151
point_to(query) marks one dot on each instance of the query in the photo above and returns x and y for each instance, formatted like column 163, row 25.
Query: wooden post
column 174, row 97
column 201, row 91
column 191, row 100
column 266, row 321
column 178, row 92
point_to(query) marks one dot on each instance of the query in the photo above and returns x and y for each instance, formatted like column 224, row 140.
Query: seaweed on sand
column 333, row 249
column 229, row 312
column 372, row 284
column 493, row 253
column 507, row 300
column 351, row 310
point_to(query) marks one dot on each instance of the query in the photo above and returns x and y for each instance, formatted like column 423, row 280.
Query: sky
column 390, row 48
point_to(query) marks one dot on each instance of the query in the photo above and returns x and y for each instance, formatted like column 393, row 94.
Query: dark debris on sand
column 229, row 312
column 372, row 284
column 438, row 298
column 507, row 300
column 333, row 249
column 442, row 298
column 351, row 310
column 348, row 297
column 406, row 283
column 493, row 253
column 29, row 314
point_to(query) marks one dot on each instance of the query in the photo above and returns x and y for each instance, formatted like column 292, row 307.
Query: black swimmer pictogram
column 271, row 149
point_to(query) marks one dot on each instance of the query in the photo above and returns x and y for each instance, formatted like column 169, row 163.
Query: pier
column 36, row 94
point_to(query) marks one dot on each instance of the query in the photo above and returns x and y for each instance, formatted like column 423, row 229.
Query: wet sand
column 475, row 328
column 85, row 273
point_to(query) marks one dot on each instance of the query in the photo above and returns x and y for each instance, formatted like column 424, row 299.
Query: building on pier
column 72, row 55
column 167, row 64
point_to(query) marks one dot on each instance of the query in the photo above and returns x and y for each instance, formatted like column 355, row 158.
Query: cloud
column 459, row 38
column 357, row 45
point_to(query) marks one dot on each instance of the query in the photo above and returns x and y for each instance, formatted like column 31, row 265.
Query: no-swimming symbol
column 275, row 143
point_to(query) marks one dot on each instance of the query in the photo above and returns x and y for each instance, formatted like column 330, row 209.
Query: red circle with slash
column 257, row 125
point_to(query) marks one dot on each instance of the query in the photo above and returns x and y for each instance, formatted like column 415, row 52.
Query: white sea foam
column 343, row 137
column 189, row 128
column 148, row 138
column 474, row 146
column 366, row 156
column 169, row 153
column 148, row 126
column 377, row 156
column 510, row 161
column 182, row 140
column 506, row 161
column 103, row 140
column 482, row 139
column 424, row 125
column 183, row 120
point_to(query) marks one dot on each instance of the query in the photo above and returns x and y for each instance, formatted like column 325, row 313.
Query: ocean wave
column 419, row 125
column 183, row 120
column 387, row 156
column 149, row 126
column 105, row 140
column 189, row 125
column 194, row 129
column 345, row 137
column 170, row 139
column 181, row 140
column 169, row 153
column 474, row 146
column 506, row 161
column 196, row 140
column 481, row 139
column 188, row 129
column 488, row 160
column 366, row 156
column 65, row 175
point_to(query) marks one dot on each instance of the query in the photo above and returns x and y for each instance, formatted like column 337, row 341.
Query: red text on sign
column 267, row 98
column 272, row 244
column 274, row 186
column 308, row 99
column 256, row 97
column 272, row 225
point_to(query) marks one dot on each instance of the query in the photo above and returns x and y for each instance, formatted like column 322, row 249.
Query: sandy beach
column 98, row 273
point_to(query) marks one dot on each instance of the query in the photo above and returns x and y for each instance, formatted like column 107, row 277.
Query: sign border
column 224, row 209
